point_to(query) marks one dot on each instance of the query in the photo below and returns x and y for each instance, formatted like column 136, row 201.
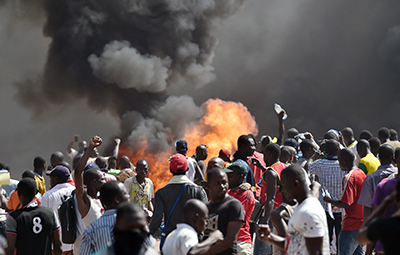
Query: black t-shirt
column 34, row 226
column 220, row 214
column 387, row 231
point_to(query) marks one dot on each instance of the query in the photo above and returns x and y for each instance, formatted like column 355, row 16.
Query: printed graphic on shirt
column 212, row 225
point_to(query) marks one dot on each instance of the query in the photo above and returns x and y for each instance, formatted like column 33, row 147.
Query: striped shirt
column 330, row 177
column 99, row 234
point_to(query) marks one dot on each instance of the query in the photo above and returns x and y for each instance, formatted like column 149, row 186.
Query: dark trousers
column 335, row 222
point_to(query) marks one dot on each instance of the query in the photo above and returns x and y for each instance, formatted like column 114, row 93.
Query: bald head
column 195, row 213
column 101, row 162
column 216, row 162
column 193, row 206
column 365, row 134
column 393, row 135
column 56, row 158
column 92, row 174
column 386, row 154
column 292, row 132
column 124, row 162
column 129, row 216
column 348, row 134
column 201, row 152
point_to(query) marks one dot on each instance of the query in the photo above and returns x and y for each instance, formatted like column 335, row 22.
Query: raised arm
column 81, row 196
column 69, row 148
column 281, row 127
column 116, row 148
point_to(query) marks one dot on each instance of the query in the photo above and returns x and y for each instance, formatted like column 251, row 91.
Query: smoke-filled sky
column 330, row 64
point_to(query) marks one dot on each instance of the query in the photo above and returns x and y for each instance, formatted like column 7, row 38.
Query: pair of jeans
column 335, row 222
column 348, row 244
column 261, row 247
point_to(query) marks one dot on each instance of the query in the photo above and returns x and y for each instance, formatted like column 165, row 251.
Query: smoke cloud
column 122, row 56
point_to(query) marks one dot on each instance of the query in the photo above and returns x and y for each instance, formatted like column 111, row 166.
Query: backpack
column 68, row 218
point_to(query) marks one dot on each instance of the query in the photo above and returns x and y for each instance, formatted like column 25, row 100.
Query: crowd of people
column 298, row 195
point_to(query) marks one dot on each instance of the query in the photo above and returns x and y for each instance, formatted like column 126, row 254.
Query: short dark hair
column 242, row 140
column 393, row 134
column 386, row 152
column 127, row 207
column 109, row 191
column 292, row 132
column 374, row 142
column 38, row 162
column 296, row 172
column 384, row 133
column 214, row 171
column 331, row 136
column 363, row 144
column 274, row 149
column 91, row 174
column 347, row 153
column 28, row 174
column 348, row 132
column 27, row 188
column 366, row 134
column 305, row 145
column 101, row 162
column 332, row 147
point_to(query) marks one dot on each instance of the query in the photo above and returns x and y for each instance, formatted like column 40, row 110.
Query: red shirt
column 248, row 201
column 277, row 167
column 351, row 186
column 257, row 172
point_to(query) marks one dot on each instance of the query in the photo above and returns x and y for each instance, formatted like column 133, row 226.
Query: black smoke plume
column 123, row 56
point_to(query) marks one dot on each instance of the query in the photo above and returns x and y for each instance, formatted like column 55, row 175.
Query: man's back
column 308, row 221
column 330, row 177
column 34, row 226
column 52, row 199
column 99, row 234
column 352, row 184
column 372, row 181
column 165, row 199
column 369, row 164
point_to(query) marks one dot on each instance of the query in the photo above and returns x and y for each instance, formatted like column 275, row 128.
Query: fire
column 222, row 123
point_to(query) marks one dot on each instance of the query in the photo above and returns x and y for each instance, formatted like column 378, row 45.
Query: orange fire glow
column 222, row 123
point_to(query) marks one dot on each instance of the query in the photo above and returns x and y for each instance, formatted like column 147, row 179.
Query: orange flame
column 222, row 123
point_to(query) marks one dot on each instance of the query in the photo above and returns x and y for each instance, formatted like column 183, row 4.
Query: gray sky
column 330, row 64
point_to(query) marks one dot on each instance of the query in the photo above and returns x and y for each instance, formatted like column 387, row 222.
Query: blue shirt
column 99, row 234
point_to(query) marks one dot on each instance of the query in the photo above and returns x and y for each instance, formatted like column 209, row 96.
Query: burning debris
column 219, row 127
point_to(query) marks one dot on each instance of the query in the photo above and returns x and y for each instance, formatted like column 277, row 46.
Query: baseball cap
column 226, row 152
column 181, row 145
column 178, row 162
column 59, row 171
column 291, row 142
column 236, row 167
column 90, row 166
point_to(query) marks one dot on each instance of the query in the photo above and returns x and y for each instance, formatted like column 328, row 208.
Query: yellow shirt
column 369, row 163
column 40, row 184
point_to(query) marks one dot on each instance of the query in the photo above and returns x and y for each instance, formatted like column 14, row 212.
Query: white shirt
column 52, row 199
column 181, row 240
column 308, row 221
column 191, row 172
